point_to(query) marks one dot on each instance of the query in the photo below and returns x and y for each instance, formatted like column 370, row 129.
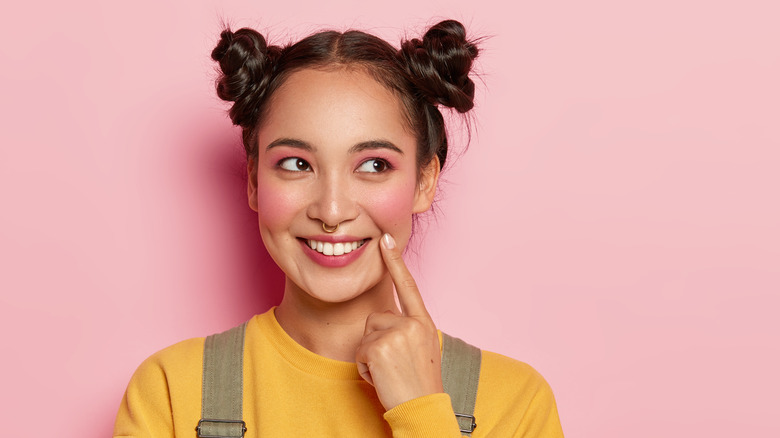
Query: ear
column 251, row 184
column 426, row 188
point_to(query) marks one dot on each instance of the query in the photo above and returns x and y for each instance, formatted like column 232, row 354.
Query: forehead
column 335, row 105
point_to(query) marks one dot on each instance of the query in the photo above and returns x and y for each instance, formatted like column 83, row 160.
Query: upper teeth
column 340, row 248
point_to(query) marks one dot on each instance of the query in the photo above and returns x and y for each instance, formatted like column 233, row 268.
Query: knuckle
column 396, row 256
column 409, row 283
column 377, row 351
column 420, row 328
column 416, row 327
column 396, row 337
column 397, row 262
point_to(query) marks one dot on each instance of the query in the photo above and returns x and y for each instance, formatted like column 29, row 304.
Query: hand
column 399, row 354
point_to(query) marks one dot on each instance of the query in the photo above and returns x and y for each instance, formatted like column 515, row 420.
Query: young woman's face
column 335, row 149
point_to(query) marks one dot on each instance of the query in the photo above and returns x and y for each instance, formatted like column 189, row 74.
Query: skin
column 335, row 148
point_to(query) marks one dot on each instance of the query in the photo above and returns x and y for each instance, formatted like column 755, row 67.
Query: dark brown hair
column 424, row 74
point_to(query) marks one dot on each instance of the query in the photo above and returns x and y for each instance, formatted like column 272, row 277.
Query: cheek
column 391, row 207
column 275, row 205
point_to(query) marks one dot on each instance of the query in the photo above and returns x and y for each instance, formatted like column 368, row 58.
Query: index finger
column 408, row 294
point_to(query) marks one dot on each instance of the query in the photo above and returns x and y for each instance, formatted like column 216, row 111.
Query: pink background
column 615, row 222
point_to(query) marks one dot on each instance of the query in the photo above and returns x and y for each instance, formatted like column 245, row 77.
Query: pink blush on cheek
column 275, row 207
column 390, row 208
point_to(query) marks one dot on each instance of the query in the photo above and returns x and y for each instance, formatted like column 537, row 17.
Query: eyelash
column 387, row 165
column 298, row 161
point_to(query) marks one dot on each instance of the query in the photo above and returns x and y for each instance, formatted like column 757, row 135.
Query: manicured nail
column 388, row 240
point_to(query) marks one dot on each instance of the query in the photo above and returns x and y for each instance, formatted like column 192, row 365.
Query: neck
column 332, row 330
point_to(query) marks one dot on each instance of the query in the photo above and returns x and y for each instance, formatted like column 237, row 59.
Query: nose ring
column 329, row 229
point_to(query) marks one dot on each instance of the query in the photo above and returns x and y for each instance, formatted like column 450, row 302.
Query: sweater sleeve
column 168, row 381
column 514, row 400
column 541, row 418
column 145, row 411
column 430, row 416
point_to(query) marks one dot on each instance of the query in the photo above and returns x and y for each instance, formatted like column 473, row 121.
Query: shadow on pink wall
column 259, row 283
column 224, row 275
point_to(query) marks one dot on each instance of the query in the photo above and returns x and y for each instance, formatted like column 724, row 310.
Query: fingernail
column 388, row 240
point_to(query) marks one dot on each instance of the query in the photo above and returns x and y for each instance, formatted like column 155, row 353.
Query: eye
column 374, row 165
column 295, row 164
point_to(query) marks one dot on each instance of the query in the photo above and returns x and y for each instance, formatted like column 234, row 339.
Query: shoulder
column 510, row 376
column 182, row 361
column 499, row 370
column 501, row 377
column 166, row 382
column 176, row 359
column 513, row 397
column 168, row 372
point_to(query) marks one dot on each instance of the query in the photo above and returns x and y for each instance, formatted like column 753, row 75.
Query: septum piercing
column 328, row 229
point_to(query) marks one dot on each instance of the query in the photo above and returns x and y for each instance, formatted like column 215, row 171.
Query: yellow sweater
column 291, row 392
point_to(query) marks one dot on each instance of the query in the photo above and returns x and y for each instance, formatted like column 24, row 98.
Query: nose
column 332, row 201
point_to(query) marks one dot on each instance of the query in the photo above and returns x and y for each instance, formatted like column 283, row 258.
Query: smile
column 335, row 249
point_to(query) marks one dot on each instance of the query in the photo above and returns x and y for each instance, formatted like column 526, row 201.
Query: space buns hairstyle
column 247, row 65
column 425, row 74
column 439, row 65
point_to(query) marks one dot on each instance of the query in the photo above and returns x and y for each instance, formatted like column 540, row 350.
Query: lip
column 338, row 261
column 332, row 238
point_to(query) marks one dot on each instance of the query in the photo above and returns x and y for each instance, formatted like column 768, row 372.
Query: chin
column 340, row 290
column 334, row 296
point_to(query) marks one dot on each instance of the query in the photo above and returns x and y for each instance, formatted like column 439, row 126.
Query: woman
column 345, row 142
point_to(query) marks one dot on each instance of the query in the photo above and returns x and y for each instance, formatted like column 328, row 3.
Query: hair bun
column 246, row 62
column 440, row 63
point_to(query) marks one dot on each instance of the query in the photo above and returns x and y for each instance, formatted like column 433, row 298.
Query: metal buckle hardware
column 473, row 422
column 211, row 420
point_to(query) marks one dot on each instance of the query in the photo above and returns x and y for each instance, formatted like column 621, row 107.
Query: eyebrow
column 291, row 142
column 362, row 146
column 374, row 144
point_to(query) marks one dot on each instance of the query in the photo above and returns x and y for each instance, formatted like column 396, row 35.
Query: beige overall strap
column 460, row 365
column 223, row 385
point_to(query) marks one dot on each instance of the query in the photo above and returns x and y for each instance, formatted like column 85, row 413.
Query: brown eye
column 295, row 164
column 374, row 165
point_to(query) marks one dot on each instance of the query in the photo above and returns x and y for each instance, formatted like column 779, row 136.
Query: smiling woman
column 339, row 154
column 345, row 142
